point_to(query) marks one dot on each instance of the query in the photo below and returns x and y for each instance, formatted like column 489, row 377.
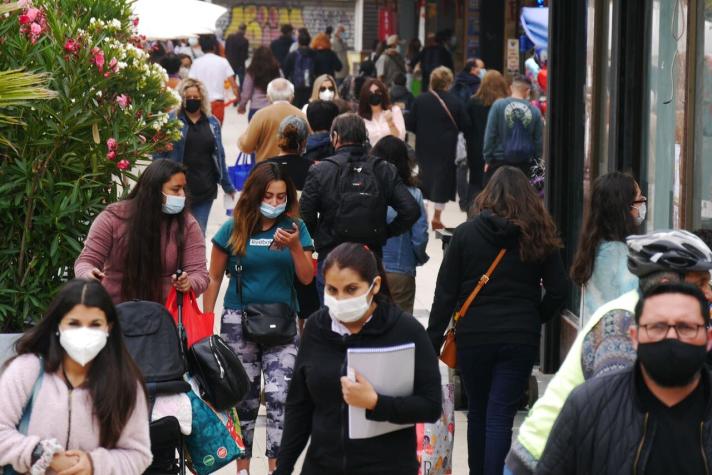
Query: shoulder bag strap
column 483, row 281
column 238, row 274
column 449, row 114
column 24, row 423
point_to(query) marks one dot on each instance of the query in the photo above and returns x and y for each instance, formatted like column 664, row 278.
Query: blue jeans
column 201, row 213
column 250, row 114
column 495, row 377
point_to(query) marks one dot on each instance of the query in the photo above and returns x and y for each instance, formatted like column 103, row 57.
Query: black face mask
column 670, row 362
column 375, row 99
column 192, row 105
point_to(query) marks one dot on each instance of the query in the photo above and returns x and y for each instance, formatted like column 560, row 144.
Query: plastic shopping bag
column 435, row 441
column 241, row 170
column 198, row 325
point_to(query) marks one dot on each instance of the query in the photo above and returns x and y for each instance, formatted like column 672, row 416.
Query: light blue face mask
column 272, row 212
column 482, row 73
column 174, row 204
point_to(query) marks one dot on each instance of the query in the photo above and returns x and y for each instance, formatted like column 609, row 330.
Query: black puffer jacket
column 320, row 200
column 604, row 429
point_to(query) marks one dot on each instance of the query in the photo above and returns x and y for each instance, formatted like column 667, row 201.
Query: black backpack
column 361, row 213
column 152, row 340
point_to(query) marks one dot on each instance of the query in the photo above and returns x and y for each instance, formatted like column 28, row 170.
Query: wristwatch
column 37, row 452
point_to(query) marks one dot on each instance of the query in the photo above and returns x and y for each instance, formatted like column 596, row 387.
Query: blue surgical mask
column 272, row 212
column 482, row 73
column 174, row 204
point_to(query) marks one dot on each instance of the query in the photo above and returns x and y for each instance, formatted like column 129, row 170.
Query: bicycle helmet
column 666, row 251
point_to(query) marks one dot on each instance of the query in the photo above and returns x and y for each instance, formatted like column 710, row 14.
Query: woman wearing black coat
column 325, row 59
column 493, row 87
column 357, row 315
column 498, row 338
column 436, row 140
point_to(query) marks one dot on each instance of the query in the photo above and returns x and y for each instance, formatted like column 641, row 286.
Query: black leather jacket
column 604, row 429
column 320, row 200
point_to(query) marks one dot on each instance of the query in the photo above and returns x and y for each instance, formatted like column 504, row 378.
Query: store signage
column 512, row 55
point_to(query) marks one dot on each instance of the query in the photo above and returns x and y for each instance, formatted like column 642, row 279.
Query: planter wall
column 7, row 340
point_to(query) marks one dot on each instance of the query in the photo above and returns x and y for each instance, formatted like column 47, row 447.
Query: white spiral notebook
column 391, row 372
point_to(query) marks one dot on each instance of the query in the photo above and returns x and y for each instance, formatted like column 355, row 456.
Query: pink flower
column 114, row 64
column 24, row 19
column 123, row 101
column 71, row 45
column 23, row 3
column 135, row 21
column 123, row 164
column 32, row 13
column 35, row 29
column 111, row 143
column 98, row 58
column 111, row 155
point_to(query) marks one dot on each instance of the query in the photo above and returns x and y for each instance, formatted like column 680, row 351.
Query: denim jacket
column 218, row 152
column 402, row 254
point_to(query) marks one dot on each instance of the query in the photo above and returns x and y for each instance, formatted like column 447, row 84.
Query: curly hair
column 186, row 84
column 263, row 68
column 509, row 195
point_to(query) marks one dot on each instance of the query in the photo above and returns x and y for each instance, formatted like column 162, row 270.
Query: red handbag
column 198, row 325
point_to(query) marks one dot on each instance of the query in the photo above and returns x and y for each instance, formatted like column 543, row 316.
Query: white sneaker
column 243, row 472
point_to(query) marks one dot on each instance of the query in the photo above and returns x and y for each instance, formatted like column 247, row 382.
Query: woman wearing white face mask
column 73, row 399
column 357, row 314
column 264, row 246
column 135, row 246
column 325, row 89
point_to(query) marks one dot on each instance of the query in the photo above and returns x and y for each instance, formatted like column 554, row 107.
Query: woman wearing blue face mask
column 264, row 246
column 358, row 313
column 135, row 246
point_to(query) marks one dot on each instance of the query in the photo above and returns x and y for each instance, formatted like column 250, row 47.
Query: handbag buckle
column 484, row 279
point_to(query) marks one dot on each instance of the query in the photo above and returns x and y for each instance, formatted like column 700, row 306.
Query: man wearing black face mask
column 654, row 418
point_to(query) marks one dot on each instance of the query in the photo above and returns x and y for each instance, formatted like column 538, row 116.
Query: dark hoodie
column 510, row 308
column 319, row 146
column 466, row 85
column 315, row 407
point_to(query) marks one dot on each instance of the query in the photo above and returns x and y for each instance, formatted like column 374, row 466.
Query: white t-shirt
column 212, row 70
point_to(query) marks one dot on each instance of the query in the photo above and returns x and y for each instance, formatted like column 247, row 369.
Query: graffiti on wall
column 264, row 21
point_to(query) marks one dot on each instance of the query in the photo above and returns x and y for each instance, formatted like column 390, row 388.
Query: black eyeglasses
column 322, row 89
column 685, row 331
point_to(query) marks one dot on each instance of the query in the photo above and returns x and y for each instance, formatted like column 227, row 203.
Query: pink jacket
column 67, row 417
column 105, row 249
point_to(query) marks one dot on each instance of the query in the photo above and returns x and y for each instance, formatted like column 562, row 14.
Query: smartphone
column 274, row 246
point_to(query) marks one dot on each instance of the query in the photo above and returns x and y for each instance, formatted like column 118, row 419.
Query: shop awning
column 166, row 19
column 535, row 22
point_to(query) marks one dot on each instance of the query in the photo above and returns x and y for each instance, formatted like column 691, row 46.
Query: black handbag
column 222, row 378
column 268, row 324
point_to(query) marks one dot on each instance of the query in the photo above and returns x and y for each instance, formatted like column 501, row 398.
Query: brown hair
column 321, row 41
column 441, row 79
column 364, row 108
column 493, row 87
column 509, row 195
column 247, row 218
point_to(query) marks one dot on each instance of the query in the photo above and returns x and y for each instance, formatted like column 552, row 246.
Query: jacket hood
column 467, row 78
column 498, row 231
column 318, row 140
column 384, row 318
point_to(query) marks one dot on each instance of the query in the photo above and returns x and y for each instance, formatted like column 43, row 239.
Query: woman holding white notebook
column 358, row 316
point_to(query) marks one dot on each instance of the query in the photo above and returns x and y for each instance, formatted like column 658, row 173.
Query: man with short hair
column 654, row 417
column 213, row 70
column 321, row 115
column 299, row 69
column 261, row 136
column 237, row 48
column 280, row 46
column 514, row 133
column 346, row 196
column 391, row 62
column 602, row 345
column 339, row 46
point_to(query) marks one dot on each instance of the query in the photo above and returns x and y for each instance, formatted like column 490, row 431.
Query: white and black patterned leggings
column 277, row 364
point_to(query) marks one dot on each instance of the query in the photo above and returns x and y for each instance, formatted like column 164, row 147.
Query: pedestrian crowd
column 325, row 239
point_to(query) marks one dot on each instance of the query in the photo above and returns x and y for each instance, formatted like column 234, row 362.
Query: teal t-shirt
column 267, row 275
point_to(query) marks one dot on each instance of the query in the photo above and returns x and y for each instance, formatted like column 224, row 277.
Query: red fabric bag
column 198, row 325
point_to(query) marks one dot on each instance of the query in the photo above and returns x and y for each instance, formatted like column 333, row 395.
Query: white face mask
column 174, row 204
column 193, row 41
column 83, row 344
column 348, row 310
column 326, row 95
column 642, row 213
column 482, row 73
column 183, row 72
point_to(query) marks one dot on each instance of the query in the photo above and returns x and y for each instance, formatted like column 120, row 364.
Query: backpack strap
column 24, row 423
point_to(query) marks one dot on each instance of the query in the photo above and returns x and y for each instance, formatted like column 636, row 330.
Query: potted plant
column 68, row 156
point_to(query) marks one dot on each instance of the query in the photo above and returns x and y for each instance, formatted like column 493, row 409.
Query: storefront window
column 702, row 191
column 665, row 112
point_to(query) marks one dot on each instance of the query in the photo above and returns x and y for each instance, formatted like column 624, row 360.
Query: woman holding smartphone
column 266, row 238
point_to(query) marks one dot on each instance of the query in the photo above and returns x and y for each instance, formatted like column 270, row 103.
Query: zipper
column 69, row 420
column 702, row 448
column 640, row 446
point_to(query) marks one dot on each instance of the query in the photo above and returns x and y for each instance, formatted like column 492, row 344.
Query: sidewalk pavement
column 425, row 289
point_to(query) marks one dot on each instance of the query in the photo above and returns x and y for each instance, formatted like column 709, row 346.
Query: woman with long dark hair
column 498, row 337
column 135, row 246
column 357, row 314
column 493, row 87
column 262, row 69
column 72, row 398
column 616, row 210
column 381, row 117
column 404, row 253
column 270, row 245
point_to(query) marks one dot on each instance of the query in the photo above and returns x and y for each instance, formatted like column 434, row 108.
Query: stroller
column 152, row 340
